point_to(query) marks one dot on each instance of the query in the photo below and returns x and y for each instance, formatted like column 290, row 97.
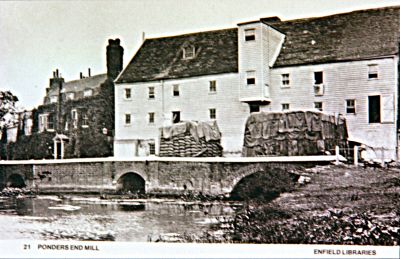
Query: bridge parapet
column 210, row 176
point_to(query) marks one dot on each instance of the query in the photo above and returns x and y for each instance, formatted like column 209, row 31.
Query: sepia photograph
column 174, row 128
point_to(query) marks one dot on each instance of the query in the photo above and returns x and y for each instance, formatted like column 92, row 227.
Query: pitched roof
column 348, row 36
column 79, row 85
column 162, row 58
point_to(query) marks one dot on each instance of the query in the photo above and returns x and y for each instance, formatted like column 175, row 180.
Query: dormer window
column 70, row 96
column 250, row 34
column 53, row 99
column 189, row 52
column 88, row 92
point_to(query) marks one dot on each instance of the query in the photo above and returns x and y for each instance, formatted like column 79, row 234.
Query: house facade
column 76, row 118
column 340, row 64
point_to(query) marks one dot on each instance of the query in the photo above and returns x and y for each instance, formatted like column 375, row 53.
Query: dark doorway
column 374, row 109
column 58, row 151
column 131, row 183
column 16, row 181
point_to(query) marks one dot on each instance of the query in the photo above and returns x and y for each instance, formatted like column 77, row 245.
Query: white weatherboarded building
column 341, row 64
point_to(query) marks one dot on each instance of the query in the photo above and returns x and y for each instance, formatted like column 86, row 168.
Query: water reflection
column 91, row 218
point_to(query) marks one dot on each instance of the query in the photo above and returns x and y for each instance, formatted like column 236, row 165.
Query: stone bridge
column 152, row 175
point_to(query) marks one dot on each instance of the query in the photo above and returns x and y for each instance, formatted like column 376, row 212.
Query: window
column 88, row 92
column 128, row 93
column 151, row 117
column 43, row 122
column 53, row 99
column 175, row 91
column 374, row 109
column 151, row 92
column 70, row 96
column 254, row 108
column 213, row 86
column 85, row 121
column 188, row 52
column 251, row 77
column 285, row 80
column 46, row 122
column 128, row 119
column 74, row 118
column 373, row 71
column 285, row 106
column 176, row 116
column 351, row 106
column 250, row 34
column 318, row 105
column 318, row 78
column 213, row 114
column 152, row 148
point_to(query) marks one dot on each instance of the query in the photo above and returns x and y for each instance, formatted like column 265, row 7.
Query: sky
column 37, row 37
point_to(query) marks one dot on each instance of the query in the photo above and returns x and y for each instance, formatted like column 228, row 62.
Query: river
column 92, row 218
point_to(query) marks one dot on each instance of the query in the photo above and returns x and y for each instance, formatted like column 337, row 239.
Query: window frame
column 151, row 92
column 251, row 77
column 152, row 148
column 174, row 120
column 128, row 119
column 317, row 104
column 318, row 77
column 284, row 108
column 212, row 87
column 188, row 52
column 85, row 121
column 373, row 72
column 350, row 107
column 151, row 117
column 128, row 93
column 53, row 99
column 70, row 96
column 250, row 34
column 74, row 118
column 175, row 90
column 212, row 113
column 86, row 91
column 285, row 80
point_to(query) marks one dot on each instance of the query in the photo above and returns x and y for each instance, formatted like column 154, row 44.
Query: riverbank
column 339, row 205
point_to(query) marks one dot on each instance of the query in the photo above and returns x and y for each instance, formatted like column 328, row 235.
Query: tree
column 8, row 111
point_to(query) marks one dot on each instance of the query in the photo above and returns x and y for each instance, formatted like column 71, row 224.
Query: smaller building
column 76, row 118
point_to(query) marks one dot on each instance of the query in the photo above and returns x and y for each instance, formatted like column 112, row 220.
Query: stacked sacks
column 191, row 139
column 293, row 133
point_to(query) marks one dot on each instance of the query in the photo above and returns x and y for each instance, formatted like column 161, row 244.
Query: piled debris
column 191, row 139
column 293, row 133
column 11, row 192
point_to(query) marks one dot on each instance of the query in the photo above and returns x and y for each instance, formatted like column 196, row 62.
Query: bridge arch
column 16, row 181
column 266, row 184
column 131, row 182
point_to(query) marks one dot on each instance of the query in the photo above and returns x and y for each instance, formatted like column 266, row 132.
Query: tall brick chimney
column 115, row 55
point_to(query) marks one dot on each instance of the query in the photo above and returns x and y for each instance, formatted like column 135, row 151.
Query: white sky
column 36, row 37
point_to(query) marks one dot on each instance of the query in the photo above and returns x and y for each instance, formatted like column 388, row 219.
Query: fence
column 368, row 154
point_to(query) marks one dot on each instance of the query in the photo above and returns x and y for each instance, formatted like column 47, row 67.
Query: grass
column 340, row 205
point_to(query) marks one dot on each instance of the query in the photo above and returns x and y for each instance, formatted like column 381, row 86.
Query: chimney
column 54, row 74
column 57, row 73
column 89, row 74
column 143, row 36
column 80, row 75
column 114, row 55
